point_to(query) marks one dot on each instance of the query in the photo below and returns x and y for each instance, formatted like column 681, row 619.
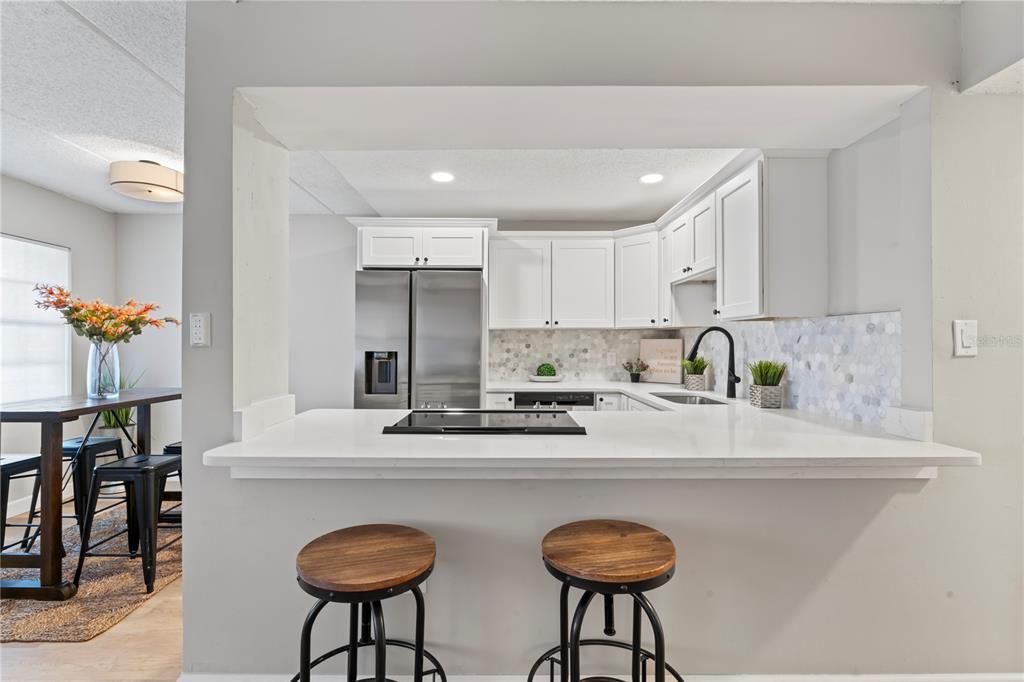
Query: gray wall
column 991, row 38
column 149, row 269
column 321, row 309
column 855, row 576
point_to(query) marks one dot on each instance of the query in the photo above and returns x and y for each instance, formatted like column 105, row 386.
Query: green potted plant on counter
column 635, row 368
column 546, row 372
column 765, row 390
column 698, row 374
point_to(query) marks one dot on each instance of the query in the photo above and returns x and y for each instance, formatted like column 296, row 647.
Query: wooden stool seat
column 362, row 559
column 608, row 551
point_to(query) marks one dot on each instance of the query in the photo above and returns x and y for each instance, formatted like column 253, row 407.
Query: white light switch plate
column 199, row 330
column 965, row 338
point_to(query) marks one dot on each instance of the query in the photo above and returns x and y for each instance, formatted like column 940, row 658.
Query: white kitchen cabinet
column 666, row 317
column 500, row 401
column 680, row 247
column 519, row 286
column 583, row 283
column 453, row 248
column 702, row 221
column 609, row 402
column 636, row 280
column 390, row 246
column 412, row 247
column 772, row 231
column 634, row 405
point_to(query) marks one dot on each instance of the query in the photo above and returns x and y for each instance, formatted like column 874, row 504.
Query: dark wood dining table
column 51, row 414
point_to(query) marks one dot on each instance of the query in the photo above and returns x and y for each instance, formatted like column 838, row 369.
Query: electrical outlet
column 199, row 330
column 611, row 359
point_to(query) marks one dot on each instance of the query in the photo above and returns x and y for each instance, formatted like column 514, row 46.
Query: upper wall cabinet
column 545, row 284
column 636, row 281
column 421, row 242
column 583, row 283
column 391, row 246
column 519, row 283
column 691, row 243
column 772, row 248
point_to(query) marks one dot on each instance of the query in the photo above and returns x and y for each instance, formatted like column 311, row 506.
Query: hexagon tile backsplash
column 846, row 366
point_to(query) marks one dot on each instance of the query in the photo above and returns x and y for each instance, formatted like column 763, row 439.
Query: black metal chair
column 142, row 476
column 83, row 455
column 609, row 558
column 362, row 566
column 12, row 468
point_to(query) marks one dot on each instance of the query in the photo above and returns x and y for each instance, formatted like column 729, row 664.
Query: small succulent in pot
column 635, row 368
column 546, row 370
column 698, row 376
column 765, row 390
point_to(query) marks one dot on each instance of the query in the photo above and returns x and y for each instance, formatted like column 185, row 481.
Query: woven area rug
column 110, row 588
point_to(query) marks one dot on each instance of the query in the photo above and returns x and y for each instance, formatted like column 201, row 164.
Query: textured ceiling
column 87, row 83
column 509, row 184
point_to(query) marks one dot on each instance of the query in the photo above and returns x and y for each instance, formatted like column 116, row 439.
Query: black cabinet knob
column 424, row 259
column 509, row 398
column 546, row 322
column 600, row 400
column 664, row 319
column 716, row 311
column 556, row 321
column 417, row 259
column 654, row 322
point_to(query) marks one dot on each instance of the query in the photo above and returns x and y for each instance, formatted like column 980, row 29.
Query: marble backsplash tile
column 578, row 354
column 846, row 366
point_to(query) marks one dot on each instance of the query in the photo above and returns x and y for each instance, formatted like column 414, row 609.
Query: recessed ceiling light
column 442, row 176
column 147, row 180
column 652, row 178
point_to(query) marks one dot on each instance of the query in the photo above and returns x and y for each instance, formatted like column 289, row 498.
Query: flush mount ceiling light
column 652, row 178
column 147, row 180
column 442, row 176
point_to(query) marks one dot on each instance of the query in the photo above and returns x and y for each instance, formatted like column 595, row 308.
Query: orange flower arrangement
column 99, row 321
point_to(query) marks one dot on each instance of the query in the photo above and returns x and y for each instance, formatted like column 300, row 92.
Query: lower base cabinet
column 637, row 406
column 500, row 401
column 608, row 402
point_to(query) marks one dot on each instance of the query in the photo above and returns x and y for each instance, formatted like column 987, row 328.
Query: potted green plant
column 546, row 372
column 108, row 424
column 635, row 368
column 698, row 374
column 765, row 390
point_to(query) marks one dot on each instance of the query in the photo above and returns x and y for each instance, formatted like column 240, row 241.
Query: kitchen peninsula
column 732, row 440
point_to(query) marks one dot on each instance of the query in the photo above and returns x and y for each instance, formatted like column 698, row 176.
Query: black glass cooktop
column 553, row 422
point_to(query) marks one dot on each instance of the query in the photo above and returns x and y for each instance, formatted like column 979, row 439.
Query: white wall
column 321, row 311
column 260, row 268
column 879, row 196
column 854, row 576
column 149, row 270
column 991, row 38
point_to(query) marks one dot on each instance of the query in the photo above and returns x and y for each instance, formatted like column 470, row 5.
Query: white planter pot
column 698, row 382
column 766, row 396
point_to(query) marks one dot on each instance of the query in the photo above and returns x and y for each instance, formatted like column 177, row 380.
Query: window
column 35, row 345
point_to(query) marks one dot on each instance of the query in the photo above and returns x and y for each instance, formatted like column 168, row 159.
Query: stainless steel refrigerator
column 419, row 338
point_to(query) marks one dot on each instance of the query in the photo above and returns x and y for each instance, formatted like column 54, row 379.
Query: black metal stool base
column 551, row 657
column 437, row 672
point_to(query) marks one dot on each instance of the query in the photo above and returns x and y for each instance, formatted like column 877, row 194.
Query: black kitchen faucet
column 730, row 389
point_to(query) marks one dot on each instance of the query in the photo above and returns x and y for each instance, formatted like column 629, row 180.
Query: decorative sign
column 665, row 357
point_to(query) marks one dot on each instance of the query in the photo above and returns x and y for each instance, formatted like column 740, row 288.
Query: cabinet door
column 609, row 402
column 583, row 283
column 637, row 406
column 390, row 246
column 636, row 281
column 665, row 307
column 738, row 208
column 500, row 401
column 454, row 247
column 519, row 284
column 680, row 241
column 702, row 220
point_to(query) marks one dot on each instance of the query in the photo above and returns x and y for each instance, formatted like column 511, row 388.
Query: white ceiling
column 87, row 83
column 509, row 184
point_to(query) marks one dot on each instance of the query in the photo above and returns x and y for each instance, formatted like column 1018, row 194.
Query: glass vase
column 103, row 373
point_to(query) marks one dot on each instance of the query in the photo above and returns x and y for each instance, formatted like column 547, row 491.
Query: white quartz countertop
column 683, row 441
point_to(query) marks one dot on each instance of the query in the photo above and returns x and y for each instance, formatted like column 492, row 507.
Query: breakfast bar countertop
column 733, row 440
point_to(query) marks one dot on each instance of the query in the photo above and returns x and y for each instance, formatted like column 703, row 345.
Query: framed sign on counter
column 665, row 358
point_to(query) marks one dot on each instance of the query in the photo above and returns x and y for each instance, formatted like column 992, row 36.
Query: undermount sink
column 687, row 399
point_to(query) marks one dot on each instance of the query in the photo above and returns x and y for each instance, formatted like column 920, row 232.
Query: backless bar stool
column 608, row 558
column 362, row 566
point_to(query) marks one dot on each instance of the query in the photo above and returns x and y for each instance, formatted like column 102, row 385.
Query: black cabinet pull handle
column 664, row 319
column 716, row 311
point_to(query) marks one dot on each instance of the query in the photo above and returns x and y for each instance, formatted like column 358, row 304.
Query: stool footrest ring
column 551, row 655
column 436, row 672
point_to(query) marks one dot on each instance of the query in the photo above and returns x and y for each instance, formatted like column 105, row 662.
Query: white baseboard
column 916, row 677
